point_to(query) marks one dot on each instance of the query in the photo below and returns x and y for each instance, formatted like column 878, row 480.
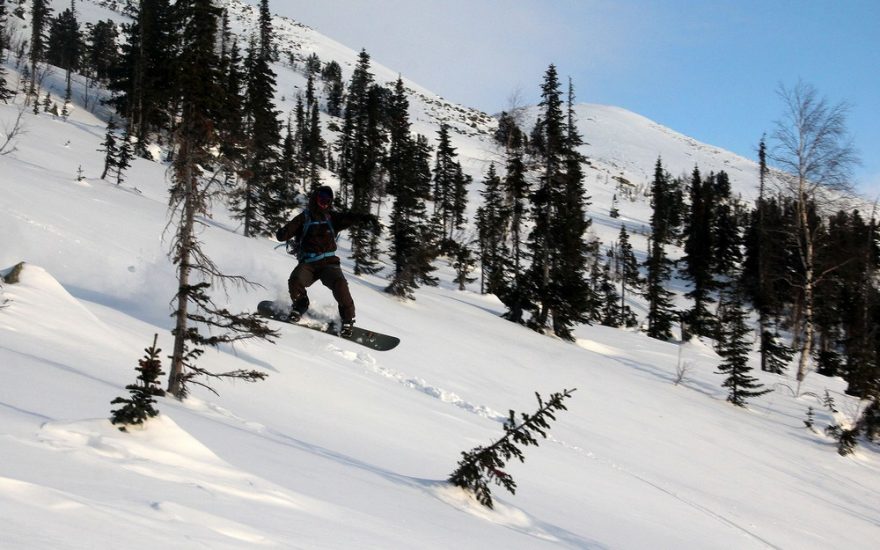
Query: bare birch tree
column 814, row 156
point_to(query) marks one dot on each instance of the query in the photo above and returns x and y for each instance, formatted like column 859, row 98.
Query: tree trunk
column 185, row 244
column 807, row 344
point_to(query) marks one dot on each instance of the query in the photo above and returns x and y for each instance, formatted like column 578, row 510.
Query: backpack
column 295, row 248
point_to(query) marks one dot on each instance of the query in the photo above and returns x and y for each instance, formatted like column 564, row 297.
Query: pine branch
column 484, row 464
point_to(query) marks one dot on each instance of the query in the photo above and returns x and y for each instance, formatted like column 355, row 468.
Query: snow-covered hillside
column 342, row 447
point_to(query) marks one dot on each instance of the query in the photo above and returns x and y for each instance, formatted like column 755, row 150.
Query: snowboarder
column 312, row 235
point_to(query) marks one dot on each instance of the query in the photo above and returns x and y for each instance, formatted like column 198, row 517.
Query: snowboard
column 371, row 339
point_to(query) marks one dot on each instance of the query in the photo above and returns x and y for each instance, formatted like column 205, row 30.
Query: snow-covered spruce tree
column 481, row 465
column 195, row 144
column 139, row 406
column 733, row 347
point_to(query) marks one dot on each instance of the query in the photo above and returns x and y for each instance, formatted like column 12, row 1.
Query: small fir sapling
column 846, row 438
column 110, row 147
column 828, row 401
column 481, row 465
column 867, row 423
column 810, row 422
column 463, row 263
column 139, row 407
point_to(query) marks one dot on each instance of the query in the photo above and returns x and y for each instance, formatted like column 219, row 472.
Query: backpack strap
column 309, row 257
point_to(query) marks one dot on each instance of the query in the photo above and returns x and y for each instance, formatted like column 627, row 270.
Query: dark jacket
column 320, row 237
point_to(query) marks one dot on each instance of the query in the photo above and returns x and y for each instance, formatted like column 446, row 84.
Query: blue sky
column 708, row 69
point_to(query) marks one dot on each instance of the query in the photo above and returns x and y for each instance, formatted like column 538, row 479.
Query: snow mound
column 39, row 303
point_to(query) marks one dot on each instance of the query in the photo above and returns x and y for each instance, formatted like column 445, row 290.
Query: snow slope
column 342, row 447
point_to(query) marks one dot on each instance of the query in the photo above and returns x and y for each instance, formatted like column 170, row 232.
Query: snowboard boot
column 298, row 309
column 346, row 329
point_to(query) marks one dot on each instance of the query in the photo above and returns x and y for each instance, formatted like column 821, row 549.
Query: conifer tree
column 775, row 354
column 463, row 263
column 360, row 147
column 493, row 221
column 315, row 151
column 733, row 347
column 195, row 143
column 124, row 157
column 614, row 212
column 482, row 465
column 266, row 197
column 48, row 105
column 40, row 14
column 101, row 49
column 289, row 167
column 517, row 191
column 699, row 255
column 140, row 407
column 5, row 92
column 231, row 123
column 333, row 87
column 110, row 148
column 612, row 312
column 761, row 293
column 764, row 278
column 409, row 183
column 548, row 140
column 863, row 341
column 145, row 83
column 628, row 270
column 450, row 187
column 868, row 423
column 727, row 221
column 576, row 302
column 660, row 315
column 64, row 47
column 557, row 274
column 427, row 245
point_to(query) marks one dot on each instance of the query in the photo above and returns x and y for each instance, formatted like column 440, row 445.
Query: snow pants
column 330, row 274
